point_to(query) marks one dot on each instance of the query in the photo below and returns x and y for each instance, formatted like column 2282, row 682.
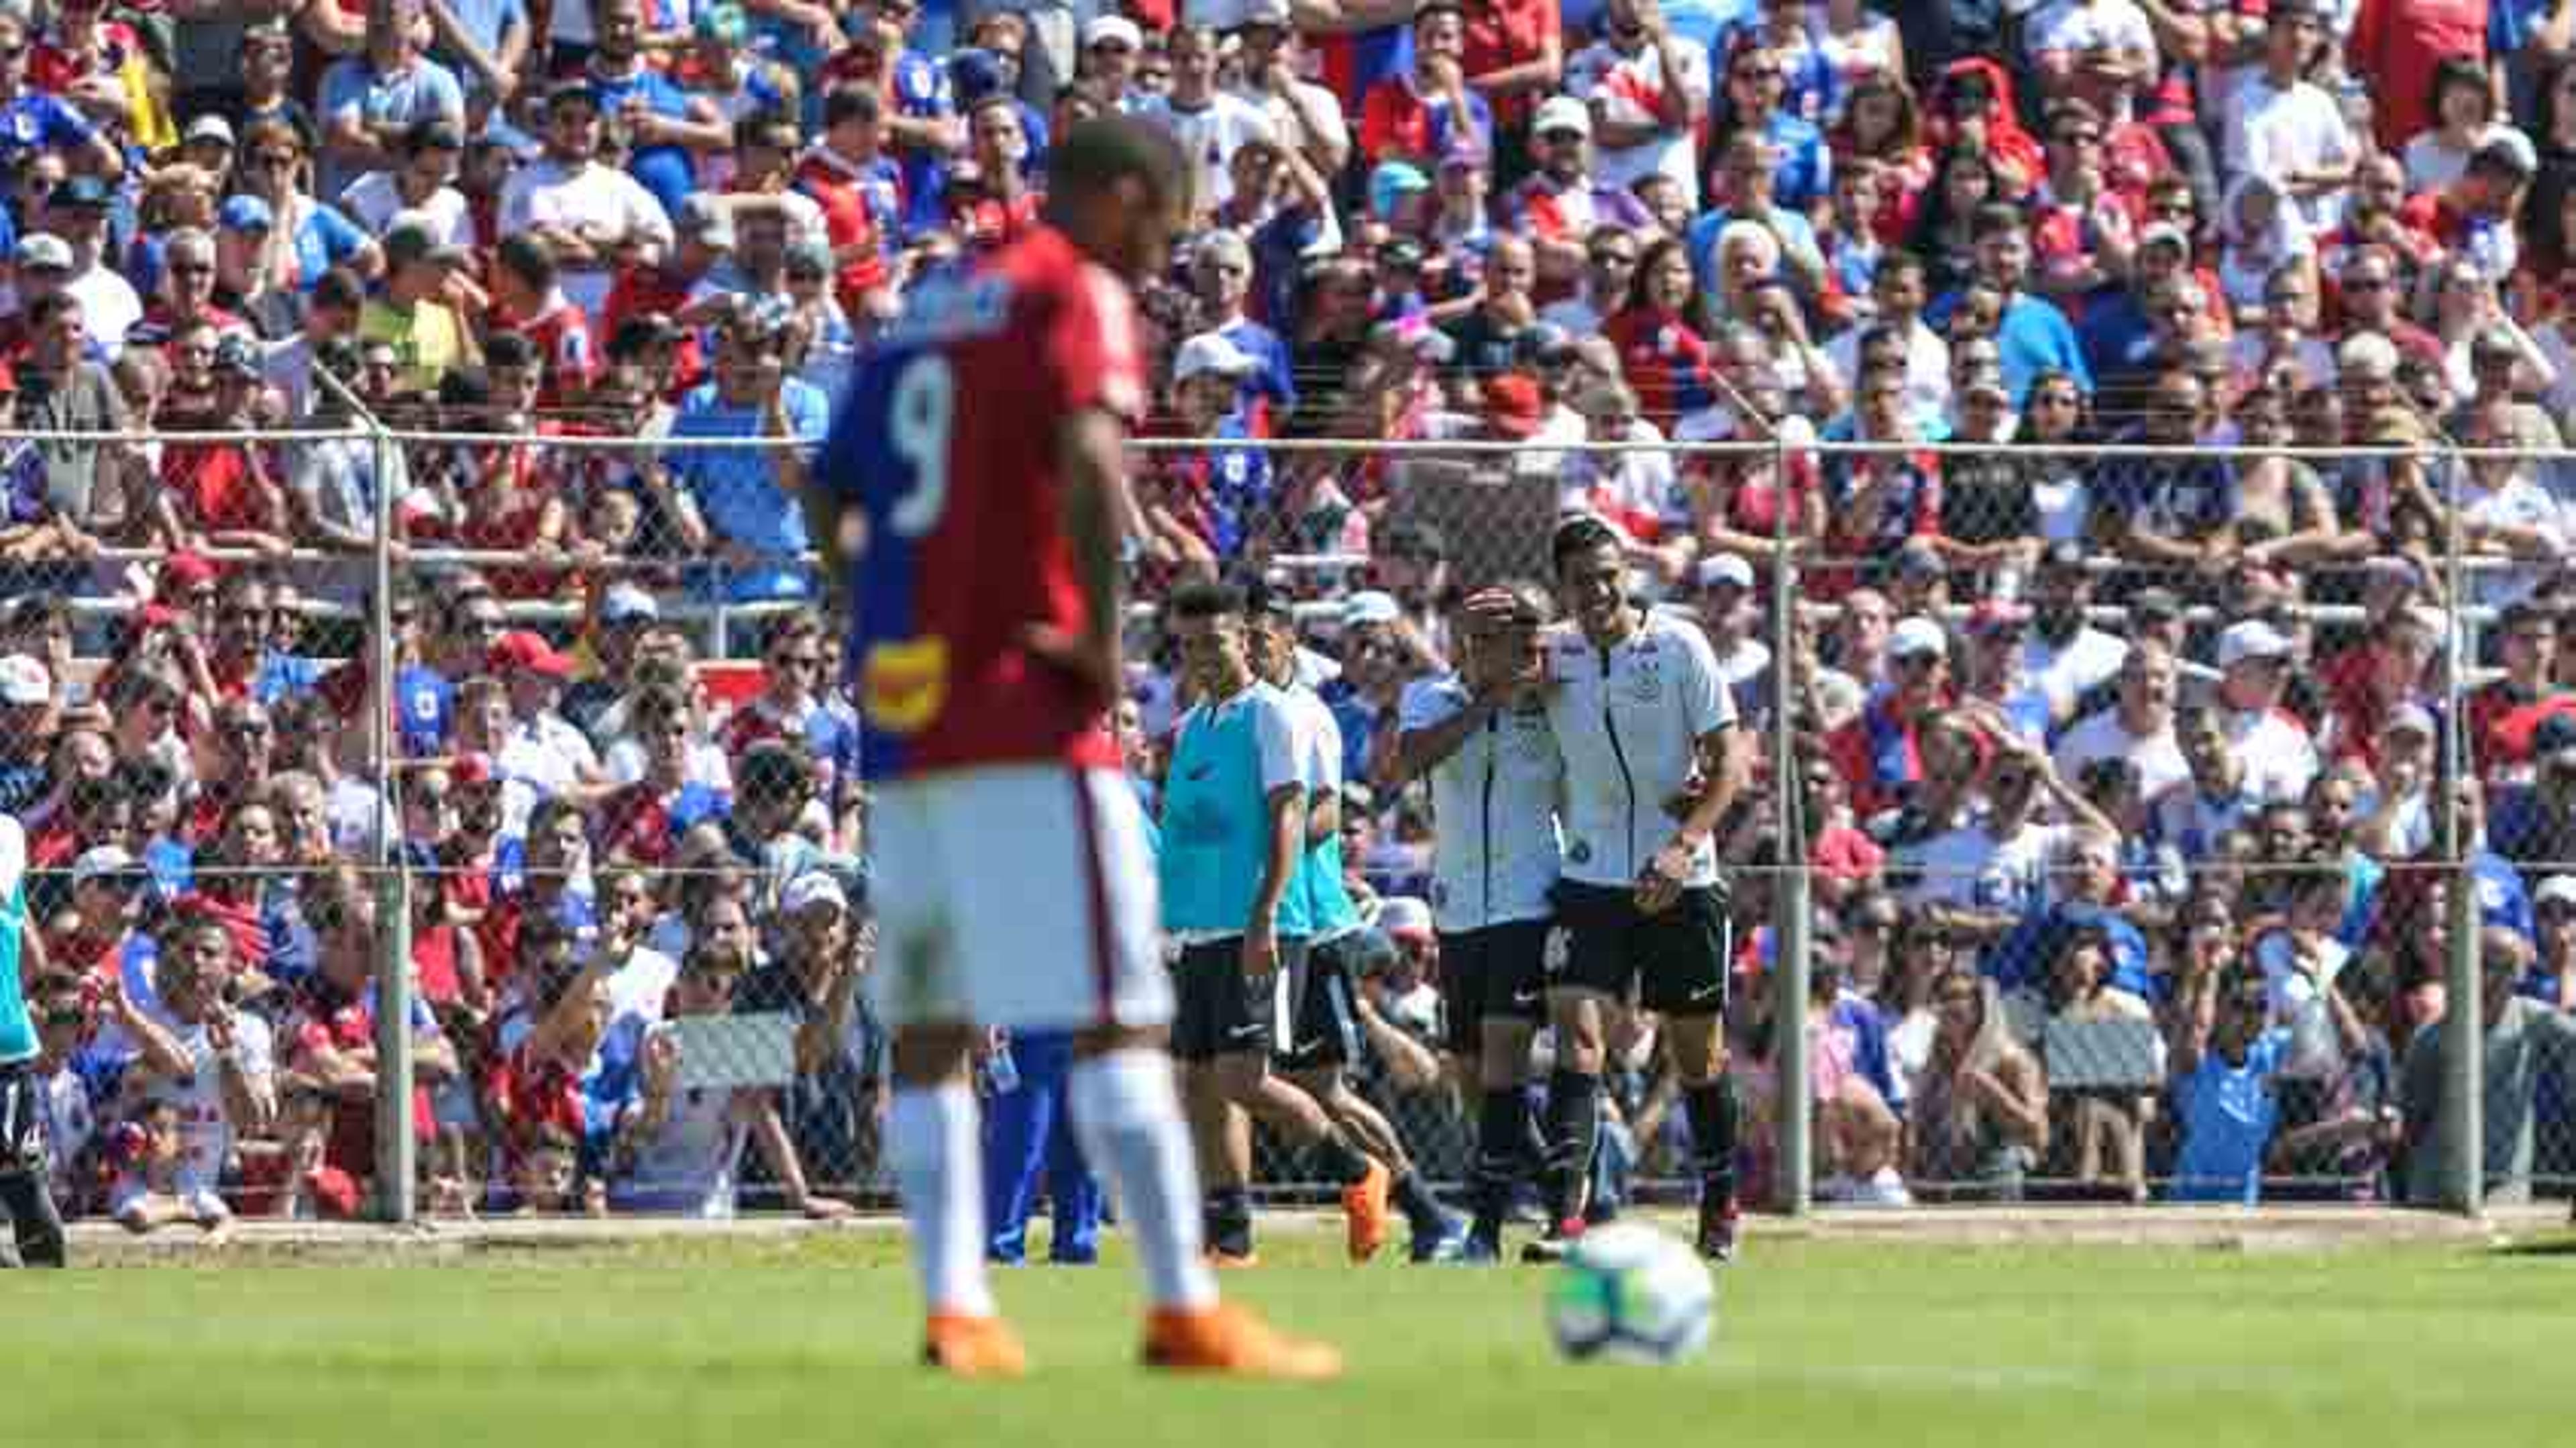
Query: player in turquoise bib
column 1234, row 821
column 24, row 1195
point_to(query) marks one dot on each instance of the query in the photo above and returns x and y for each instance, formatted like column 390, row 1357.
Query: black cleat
column 1718, row 1237
column 1554, row 1243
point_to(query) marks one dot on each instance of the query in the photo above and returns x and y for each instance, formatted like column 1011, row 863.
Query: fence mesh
column 2139, row 797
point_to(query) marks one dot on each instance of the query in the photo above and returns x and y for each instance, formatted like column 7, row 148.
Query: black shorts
column 1324, row 1027
column 1217, row 1010
column 1497, row 973
column 1678, row 959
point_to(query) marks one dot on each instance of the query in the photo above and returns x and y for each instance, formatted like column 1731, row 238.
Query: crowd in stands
column 2124, row 776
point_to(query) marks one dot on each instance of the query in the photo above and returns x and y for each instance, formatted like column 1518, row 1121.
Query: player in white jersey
column 1481, row 735
column 1652, row 765
column 1323, row 1025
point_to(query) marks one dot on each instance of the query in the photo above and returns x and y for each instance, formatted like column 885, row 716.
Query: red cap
column 183, row 571
column 1513, row 406
column 471, row 769
column 520, row 649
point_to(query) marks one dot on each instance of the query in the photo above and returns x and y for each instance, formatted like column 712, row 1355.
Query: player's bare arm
column 1287, row 846
column 1722, row 764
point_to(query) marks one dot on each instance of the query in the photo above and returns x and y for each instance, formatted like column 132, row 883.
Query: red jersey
column 562, row 336
column 967, row 551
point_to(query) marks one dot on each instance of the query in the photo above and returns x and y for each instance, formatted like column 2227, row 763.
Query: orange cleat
column 1231, row 1340
column 973, row 1347
column 1364, row 1205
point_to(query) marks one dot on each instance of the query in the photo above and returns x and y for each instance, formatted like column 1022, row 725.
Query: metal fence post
column 1792, row 895
column 2463, row 1023
column 396, row 1181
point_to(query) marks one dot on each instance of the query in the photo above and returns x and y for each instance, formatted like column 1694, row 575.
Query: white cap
column 1210, row 354
column 1404, row 915
column 1563, row 113
column 1370, row 606
column 2251, row 639
column 2558, row 888
column 209, row 127
column 2411, row 718
column 1917, row 636
column 1113, row 27
column 100, row 861
column 625, row 601
column 1726, row 568
column 25, row 681
column 2164, row 231
column 1262, row 12
column 44, row 249
column 814, row 887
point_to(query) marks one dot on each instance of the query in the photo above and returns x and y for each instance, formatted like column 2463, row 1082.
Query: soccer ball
column 1627, row 1293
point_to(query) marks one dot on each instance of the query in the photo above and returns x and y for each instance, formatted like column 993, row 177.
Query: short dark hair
column 1099, row 153
column 851, row 103
column 1208, row 600
column 527, row 255
column 1579, row 534
column 1994, row 219
column 510, row 349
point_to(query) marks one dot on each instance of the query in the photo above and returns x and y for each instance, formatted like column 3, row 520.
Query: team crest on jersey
column 1579, row 853
column 903, row 686
column 1557, row 951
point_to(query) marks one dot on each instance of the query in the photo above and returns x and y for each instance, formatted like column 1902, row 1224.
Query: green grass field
column 809, row 1341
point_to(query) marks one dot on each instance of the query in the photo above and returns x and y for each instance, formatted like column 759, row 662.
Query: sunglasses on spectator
column 68, row 1015
column 12, row 52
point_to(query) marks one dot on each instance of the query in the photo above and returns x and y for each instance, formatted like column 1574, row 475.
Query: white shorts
column 1015, row 895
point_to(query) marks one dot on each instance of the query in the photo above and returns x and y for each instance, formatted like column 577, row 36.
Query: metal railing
column 1785, row 571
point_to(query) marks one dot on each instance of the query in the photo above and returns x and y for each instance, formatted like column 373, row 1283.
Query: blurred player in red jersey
column 982, row 448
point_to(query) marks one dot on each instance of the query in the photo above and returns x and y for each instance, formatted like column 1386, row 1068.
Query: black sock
column 1423, row 1210
column 1503, row 1126
column 1534, row 1147
column 1343, row 1163
column 31, row 1211
column 1229, row 1221
column 1574, row 1131
column 1712, row 1120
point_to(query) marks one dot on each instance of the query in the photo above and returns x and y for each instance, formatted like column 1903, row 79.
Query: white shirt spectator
column 2086, row 662
column 2075, row 26
column 1641, row 482
column 109, row 307
column 2281, row 133
column 2516, row 502
column 550, row 193
column 373, row 199
column 205, row 1125
column 2280, row 759
column 2156, row 757
column 1927, row 368
column 1210, row 135
column 1629, row 90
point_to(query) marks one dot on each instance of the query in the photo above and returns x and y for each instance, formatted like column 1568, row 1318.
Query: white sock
column 939, row 1168
column 1128, row 1119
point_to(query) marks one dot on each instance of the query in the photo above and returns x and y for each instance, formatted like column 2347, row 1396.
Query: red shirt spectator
column 2394, row 48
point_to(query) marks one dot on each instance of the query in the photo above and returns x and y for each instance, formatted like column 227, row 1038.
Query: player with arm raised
column 26, row 1198
column 1482, row 736
column 980, row 449
column 1652, row 765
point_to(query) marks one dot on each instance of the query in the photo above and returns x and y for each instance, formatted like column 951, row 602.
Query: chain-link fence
column 2127, row 820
